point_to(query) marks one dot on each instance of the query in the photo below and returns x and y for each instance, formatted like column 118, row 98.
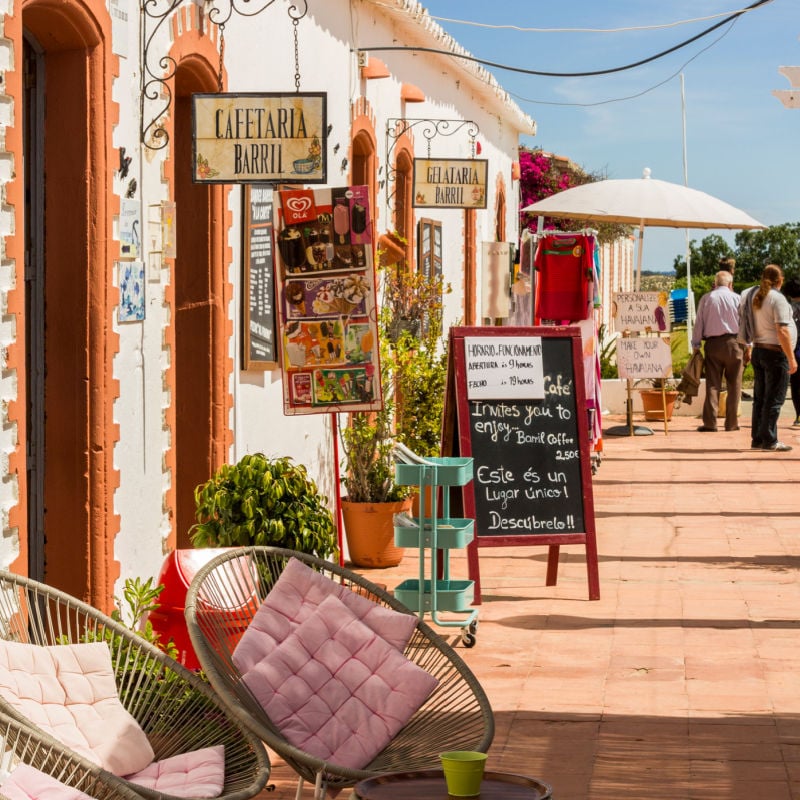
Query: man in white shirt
column 717, row 324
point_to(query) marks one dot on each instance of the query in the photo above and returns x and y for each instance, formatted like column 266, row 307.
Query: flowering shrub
column 541, row 176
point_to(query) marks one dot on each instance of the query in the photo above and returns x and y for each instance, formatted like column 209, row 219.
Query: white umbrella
column 643, row 201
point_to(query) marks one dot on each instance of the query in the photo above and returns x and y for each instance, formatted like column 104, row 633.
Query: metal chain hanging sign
column 157, row 71
column 448, row 183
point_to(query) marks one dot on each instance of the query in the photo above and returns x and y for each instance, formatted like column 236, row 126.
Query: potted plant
column 657, row 395
column 264, row 501
column 413, row 373
column 372, row 496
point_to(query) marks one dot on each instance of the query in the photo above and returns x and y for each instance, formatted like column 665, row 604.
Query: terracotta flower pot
column 369, row 530
column 653, row 404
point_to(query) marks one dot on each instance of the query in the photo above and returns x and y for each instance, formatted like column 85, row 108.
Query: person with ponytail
column 774, row 336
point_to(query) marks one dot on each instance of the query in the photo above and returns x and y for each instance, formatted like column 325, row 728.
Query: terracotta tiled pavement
column 682, row 680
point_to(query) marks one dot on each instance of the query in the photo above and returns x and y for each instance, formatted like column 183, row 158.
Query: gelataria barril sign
column 259, row 138
column 452, row 183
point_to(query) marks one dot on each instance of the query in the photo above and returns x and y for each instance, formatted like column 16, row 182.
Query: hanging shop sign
column 259, row 138
column 327, row 311
column 450, row 183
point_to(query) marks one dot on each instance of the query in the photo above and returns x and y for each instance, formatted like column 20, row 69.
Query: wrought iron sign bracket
column 156, row 72
column 429, row 129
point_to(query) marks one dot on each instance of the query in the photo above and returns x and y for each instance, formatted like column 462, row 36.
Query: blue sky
column 742, row 144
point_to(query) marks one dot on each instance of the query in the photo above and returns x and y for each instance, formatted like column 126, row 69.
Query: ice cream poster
column 325, row 280
column 327, row 297
column 641, row 311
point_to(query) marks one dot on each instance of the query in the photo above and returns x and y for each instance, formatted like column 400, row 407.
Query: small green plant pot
column 463, row 772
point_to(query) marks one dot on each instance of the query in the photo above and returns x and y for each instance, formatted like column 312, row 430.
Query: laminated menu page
column 327, row 301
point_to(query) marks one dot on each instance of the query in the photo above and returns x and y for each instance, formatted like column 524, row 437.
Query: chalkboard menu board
column 520, row 412
column 259, row 349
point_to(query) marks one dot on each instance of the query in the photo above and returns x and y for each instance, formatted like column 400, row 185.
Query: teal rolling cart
column 435, row 536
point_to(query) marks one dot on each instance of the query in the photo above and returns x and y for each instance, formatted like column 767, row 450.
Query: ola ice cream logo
column 298, row 205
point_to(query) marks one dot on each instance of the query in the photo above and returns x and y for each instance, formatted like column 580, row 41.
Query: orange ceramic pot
column 369, row 530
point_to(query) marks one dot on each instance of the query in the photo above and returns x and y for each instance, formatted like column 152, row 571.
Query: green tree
column 700, row 285
column 778, row 244
column 705, row 258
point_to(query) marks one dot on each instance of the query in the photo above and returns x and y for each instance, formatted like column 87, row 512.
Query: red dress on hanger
column 564, row 265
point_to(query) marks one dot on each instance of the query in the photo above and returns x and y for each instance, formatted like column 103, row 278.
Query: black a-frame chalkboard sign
column 516, row 404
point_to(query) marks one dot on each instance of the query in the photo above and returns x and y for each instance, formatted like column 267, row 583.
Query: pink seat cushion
column 69, row 691
column 27, row 783
column 295, row 597
column 336, row 689
column 200, row 773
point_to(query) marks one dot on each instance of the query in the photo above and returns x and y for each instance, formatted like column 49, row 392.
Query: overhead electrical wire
column 655, row 86
column 593, row 73
column 521, row 29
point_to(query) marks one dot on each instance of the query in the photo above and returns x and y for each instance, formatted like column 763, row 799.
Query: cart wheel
column 473, row 626
column 468, row 639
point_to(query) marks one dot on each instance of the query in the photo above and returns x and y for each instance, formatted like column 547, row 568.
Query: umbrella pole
column 639, row 257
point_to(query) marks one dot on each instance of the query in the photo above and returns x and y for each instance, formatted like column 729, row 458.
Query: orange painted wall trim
column 15, row 253
column 197, row 50
column 79, row 25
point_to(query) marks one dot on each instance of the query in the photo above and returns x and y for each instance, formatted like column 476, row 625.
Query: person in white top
column 774, row 337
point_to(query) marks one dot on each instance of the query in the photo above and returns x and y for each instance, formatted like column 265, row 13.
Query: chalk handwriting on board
column 531, row 482
column 528, row 457
column 504, row 367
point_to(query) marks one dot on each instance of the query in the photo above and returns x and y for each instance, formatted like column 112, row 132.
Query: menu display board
column 326, row 298
column 259, row 347
column 530, row 445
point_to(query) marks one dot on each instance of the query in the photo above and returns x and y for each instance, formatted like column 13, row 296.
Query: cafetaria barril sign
column 260, row 138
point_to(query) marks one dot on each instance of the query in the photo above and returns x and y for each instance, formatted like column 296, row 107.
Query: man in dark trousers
column 717, row 324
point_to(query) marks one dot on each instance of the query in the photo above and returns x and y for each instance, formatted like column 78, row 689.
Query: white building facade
column 114, row 409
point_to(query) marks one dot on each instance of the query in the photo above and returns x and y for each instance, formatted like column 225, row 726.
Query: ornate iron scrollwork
column 429, row 129
column 156, row 73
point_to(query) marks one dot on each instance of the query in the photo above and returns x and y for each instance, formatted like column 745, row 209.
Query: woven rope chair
column 177, row 710
column 23, row 745
column 222, row 600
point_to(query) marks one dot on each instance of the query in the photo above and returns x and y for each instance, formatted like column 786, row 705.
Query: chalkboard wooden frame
column 258, row 353
column 457, row 439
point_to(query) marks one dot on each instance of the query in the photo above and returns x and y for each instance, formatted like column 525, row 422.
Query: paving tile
column 683, row 680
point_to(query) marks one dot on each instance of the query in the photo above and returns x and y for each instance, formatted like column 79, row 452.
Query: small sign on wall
column 131, row 291
column 130, row 227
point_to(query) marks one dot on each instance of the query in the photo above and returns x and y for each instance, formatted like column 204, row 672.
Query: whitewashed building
column 114, row 409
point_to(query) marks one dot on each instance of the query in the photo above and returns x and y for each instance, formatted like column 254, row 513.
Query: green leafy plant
column 608, row 353
column 413, row 376
column 140, row 598
column 264, row 501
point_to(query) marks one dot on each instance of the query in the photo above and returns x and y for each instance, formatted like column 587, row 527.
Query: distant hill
column 657, row 281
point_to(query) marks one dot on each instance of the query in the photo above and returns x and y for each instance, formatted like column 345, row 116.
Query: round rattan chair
column 178, row 711
column 23, row 745
column 222, row 600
